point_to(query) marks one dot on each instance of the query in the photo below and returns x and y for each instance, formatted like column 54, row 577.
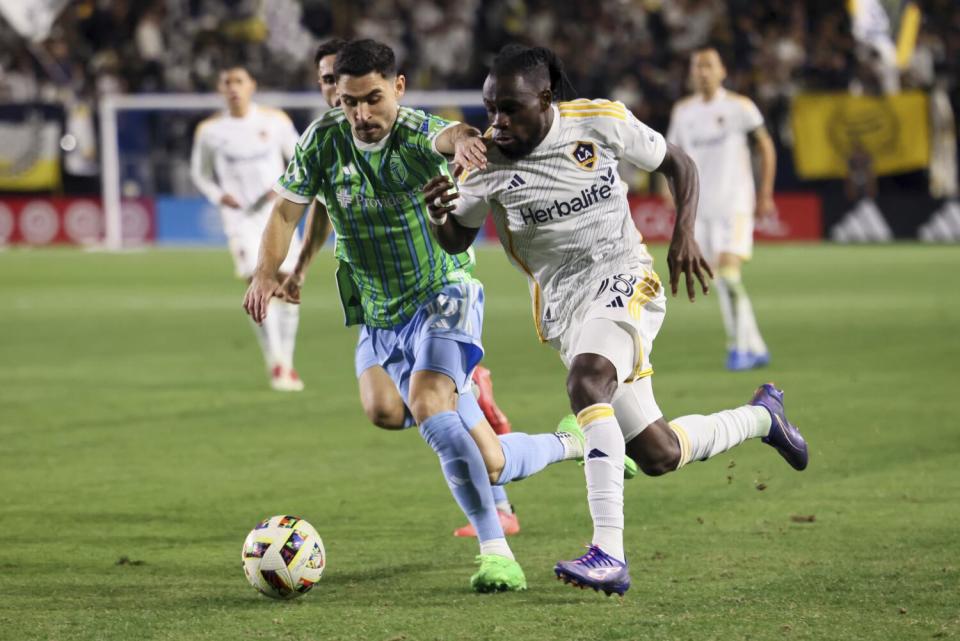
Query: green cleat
column 568, row 425
column 569, row 432
column 498, row 574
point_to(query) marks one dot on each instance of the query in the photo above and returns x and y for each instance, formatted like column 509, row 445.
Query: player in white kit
column 713, row 126
column 563, row 218
column 238, row 154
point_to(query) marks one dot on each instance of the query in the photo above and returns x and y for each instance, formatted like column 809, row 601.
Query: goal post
column 112, row 106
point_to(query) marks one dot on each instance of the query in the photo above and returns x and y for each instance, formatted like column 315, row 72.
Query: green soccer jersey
column 390, row 262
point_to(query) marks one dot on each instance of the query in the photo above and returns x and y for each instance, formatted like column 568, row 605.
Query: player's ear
column 546, row 99
column 400, row 85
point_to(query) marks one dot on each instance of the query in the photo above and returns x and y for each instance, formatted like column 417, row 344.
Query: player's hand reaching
column 470, row 152
column 684, row 257
column 439, row 198
column 262, row 289
column 289, row 291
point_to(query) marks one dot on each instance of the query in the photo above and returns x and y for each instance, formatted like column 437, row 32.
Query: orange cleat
column 509, row 523
column 497, row 419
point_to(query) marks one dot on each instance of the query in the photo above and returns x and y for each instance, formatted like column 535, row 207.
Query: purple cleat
column 596, row 569
column 783, row 436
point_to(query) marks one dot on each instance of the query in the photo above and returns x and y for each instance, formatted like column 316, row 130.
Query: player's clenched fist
column 261, row 290
column 439, row 198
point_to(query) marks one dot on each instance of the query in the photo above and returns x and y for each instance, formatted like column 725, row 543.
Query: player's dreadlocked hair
column 515, row 58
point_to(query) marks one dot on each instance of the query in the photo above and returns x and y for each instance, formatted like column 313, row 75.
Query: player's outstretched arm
column 318, row 228
column 684, row 255
column 273, row 249
column 439, row 194
column 464, row 143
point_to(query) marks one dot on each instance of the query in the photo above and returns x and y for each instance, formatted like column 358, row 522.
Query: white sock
column 505, row 507
column 266, row 344
column 603, row 466
column 702, row 437
column 498, row 547
column 273, row 354
column 726, row 299
column 289, row 321
column 747, row 334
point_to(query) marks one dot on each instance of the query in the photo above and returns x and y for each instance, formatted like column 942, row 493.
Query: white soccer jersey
column 242, row 157
column 714, row 134
column 561, row 212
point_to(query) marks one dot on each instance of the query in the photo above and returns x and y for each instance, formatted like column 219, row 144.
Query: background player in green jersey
column 378, row 395
column 418, row 306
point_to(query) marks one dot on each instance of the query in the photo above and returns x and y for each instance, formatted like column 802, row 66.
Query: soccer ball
column 283, row 557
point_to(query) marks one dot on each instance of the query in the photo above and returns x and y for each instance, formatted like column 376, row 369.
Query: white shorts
column 619, row 323
column 725, row 235
column 244, row 233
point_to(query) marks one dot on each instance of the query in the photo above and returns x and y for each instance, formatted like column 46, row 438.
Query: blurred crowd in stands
column 636, row 51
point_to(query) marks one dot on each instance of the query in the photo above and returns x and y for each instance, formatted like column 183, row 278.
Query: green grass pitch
column 135, row 422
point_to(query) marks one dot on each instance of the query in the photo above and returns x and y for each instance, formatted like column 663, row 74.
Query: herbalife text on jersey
column 583, row 200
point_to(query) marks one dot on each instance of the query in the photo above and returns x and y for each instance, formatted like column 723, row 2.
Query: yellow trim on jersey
column 526, row 270
column 587, row 104
column 595, row 412
column 684, row 440
column 610, row 113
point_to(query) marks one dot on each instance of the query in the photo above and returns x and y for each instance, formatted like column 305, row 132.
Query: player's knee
column 655, row 450
column 592, row 379
column 426, row 404
column 660, row 462
column 384, row 416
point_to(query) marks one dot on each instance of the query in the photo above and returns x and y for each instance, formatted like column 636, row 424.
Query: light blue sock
column 464, row 470
column 408, row 420
column 500, row 496
column 526, row 454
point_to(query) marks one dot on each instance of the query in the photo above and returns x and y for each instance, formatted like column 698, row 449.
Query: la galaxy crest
column 585, row 155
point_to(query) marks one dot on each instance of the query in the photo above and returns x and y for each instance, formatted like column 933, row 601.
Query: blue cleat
column 596, row 569
column 759, row 360
column 783, row 436
column 738, row 361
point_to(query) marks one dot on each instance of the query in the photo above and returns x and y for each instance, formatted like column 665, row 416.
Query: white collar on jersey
column 719, row 94
column 554, row 132
column 370, row 146
column 251, row 110
column 374, row 146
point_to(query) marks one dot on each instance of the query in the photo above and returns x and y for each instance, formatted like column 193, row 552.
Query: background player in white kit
column 713, row 126
column 562, row 215
column 237, row 155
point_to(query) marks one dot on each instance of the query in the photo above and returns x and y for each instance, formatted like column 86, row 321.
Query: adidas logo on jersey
column 616, row 302
column 584, row 200
column 515, row 182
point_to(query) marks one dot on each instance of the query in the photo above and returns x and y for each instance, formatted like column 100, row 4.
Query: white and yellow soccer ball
column 283, row 557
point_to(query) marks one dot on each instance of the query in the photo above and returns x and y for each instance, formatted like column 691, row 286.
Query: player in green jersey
column 418, row 307
column 378, row 395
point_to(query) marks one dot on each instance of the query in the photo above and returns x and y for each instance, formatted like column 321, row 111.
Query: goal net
column 145, row 143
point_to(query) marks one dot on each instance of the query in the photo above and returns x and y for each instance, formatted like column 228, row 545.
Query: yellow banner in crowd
column 29, row 155
column 827, row 128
